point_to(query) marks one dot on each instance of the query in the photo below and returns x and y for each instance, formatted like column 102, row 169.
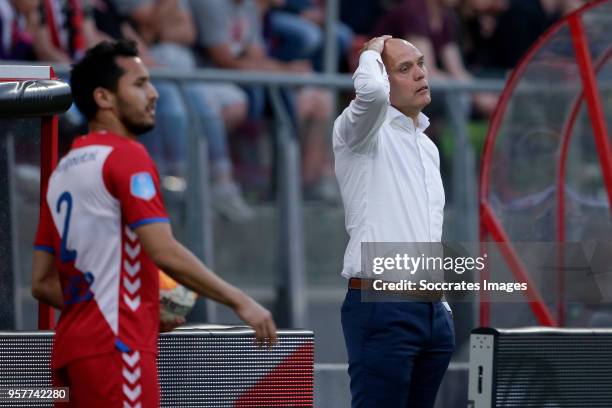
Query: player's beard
column 136, row 127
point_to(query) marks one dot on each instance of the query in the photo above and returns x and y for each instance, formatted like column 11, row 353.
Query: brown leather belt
column 368, row 285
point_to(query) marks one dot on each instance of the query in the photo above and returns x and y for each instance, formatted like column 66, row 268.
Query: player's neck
column 98, row 124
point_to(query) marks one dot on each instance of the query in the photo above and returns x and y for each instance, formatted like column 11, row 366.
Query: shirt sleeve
column 131, row 177
column 44, row 234
column 358, row 125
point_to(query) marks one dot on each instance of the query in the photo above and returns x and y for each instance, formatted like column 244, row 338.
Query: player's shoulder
column 124, row 154
column 129, row 164
column 117, row 142
column 124, row 150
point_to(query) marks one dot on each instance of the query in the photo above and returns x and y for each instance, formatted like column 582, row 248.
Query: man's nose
column 419, row 73
column 153, row 92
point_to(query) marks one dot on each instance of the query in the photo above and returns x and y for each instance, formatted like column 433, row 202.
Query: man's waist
column 389, row 290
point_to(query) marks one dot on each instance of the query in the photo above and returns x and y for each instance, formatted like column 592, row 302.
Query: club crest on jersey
column 142, row 186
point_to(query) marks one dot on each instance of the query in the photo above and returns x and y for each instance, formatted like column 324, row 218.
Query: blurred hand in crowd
column 299, row 66
column 486, row 102
column 26, row 6
column 315, row 15
column 30, row 10
column 567, row 6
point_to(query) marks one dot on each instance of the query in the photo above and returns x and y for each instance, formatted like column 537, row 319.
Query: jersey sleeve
column 44, row 234
column 131, row 177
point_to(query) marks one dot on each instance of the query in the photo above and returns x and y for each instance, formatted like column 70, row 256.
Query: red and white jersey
column 100, row 192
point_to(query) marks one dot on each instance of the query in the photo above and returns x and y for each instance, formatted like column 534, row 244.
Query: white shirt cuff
column 370, row 55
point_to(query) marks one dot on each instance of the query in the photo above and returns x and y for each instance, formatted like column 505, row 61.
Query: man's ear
column 104, row 98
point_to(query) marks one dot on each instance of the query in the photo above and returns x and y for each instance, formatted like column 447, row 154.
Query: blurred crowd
column 460, row 39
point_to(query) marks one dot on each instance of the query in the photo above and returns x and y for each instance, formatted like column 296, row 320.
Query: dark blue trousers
column 398, row 351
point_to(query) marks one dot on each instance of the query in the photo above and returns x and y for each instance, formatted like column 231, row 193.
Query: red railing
column 489, row 224
column 48, row 162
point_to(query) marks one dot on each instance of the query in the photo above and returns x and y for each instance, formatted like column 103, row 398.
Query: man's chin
column 425, row 101
column 140, row 128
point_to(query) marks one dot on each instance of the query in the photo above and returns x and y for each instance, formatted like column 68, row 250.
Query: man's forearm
column 46, row 285
column 51, row 294
column 260, row 64
column 179, row 29
column 45, row 50
column 176, row 260
column 358, row 124
column 186, row 269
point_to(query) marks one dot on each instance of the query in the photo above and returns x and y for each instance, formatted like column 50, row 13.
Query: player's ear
column 104, row 98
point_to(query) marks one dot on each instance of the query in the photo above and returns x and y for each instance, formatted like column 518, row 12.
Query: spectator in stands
column 165, row 26
column 360, row 15
column 230, row 36
column 164, row 44
column 66, row 30
column 168, row 29
column 499, row 32
column 18, row 23
column 109, row 21
column 297, row 31
column 62, row 31
column 429, row 25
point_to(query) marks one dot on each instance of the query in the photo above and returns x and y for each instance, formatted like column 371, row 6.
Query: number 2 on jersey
column 66, row 254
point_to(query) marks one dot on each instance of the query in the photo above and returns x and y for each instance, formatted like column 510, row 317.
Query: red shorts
column 110, row 380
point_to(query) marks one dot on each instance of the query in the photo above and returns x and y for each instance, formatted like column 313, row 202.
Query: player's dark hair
column 98, row 68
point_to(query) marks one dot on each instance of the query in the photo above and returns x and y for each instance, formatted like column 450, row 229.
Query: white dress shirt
column 387, row 168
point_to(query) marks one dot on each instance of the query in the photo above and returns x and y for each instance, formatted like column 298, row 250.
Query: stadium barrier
column 201, row 366
column 540, row 367
column 31, row 97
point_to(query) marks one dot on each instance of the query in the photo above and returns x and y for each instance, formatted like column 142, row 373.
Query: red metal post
column 485, row 306
column 573, row 20
column 534, row 297
column 48, row 161
column 593, row 100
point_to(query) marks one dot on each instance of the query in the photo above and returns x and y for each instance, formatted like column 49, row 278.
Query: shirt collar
column 396, row 116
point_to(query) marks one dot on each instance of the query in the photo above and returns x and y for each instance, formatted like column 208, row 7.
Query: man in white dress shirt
column 389, row 177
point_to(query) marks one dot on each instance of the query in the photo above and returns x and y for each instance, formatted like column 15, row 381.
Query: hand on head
column 376, row 44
